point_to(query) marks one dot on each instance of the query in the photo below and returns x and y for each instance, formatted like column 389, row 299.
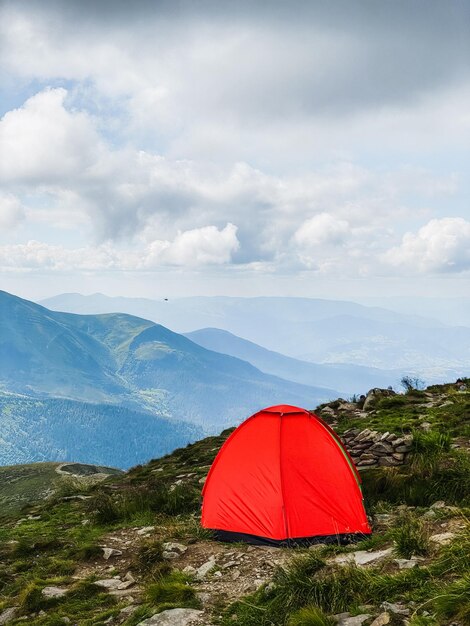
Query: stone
column 406, row 563
column 145, row 530
column 129, row 577
column 386, row 461
column 126, row 584
column 174, row 617
column 366, row 462
column 440, row 504
column 403, row 449
column 382, row 447
column 189, row 569
column 398, row 456
column 109, row 552
column 128, row 610
column 205, row 568
column 109, row 583
column 426, row 426
column 175, row 547
column 8, row 615
column 355, row 620
column 363, row 557
column 383, row 518
column 170, row 555
column 53, row 592
column 381, row 620
column 397, row 609
column 364, row 434
column 443, row 539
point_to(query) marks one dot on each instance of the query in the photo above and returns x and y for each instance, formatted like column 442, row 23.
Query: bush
column 410, row 536
column 148, row 555
column 412, row 383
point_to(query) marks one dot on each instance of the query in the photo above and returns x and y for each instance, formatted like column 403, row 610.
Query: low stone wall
column 369, row 448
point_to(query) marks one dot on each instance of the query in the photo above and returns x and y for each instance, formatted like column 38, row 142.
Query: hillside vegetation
column 131, row 548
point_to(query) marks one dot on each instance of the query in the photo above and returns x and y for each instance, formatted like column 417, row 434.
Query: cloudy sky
column 175, row 148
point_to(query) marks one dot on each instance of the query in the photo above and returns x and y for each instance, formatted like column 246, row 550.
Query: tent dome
column 283, row 477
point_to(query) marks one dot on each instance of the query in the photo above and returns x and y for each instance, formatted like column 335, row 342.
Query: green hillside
column 131, row 547
column 22, row 485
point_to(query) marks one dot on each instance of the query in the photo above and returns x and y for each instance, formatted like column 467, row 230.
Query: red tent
column 283, row 477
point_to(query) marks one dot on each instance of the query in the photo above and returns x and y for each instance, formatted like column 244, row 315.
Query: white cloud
column 322, row 229
column 442, row 245
column 42, row 142
column 11, row 211
column 200, row 246
column 193, row 248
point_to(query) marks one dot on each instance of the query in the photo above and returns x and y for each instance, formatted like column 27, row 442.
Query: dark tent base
column 297, row 542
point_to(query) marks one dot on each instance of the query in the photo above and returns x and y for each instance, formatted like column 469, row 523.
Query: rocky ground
column 131, row 552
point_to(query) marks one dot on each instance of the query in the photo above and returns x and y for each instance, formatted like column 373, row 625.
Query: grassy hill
column 22, row 485
column 412, row 570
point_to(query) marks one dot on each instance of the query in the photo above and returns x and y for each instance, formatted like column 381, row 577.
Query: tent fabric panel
column 321, row 495
column 243, row 492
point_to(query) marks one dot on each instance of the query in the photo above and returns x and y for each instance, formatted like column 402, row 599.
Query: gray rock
column 355, row 620
column 205, row 568
column 175, row 547
column 440, row 504
column 406, row 563
column 382, row 447
column 53, row 592
column 443, row 539
column 109, row 552
column 125, row 585
column 109, row 583
column 382, row 619
column 174, row 617
column 362, row 557
column 8, row 615
column 386, row 461
column 146, row 530
column 397, row 609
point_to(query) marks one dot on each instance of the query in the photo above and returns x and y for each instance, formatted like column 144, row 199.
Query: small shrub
column 310, row 616
column 412, row 383
column 148, row 555
column 87, row 552
column 410, row 536
column 104, row 508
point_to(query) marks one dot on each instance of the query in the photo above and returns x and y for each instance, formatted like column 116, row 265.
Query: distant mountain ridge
column 133, row 379
column 316, row 330
column 350, row 378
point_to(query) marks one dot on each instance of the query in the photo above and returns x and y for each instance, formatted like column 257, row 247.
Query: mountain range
column 72, row 383
column 314, row 330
